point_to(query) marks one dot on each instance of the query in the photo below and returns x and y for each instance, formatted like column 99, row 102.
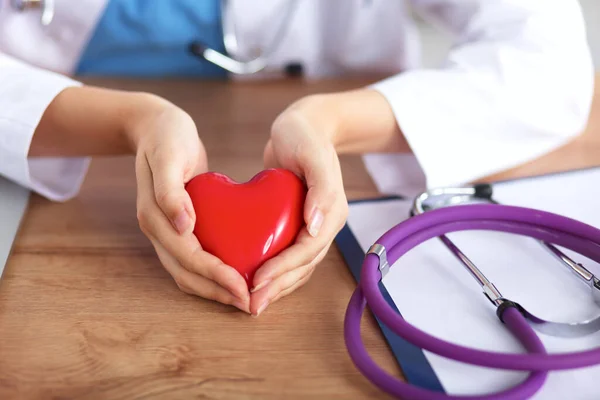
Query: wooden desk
column 86, row 310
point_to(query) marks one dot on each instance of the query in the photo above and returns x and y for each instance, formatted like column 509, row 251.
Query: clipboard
column 578, row 189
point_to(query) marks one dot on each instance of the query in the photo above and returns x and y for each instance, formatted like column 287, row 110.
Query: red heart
column 245, row 224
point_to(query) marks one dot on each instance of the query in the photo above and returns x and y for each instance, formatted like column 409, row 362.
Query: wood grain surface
column 87, row 312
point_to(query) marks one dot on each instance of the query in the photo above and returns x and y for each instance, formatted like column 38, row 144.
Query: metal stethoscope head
column 246, row 67
column 434, row 220
column 482, row 193
column 46, row 6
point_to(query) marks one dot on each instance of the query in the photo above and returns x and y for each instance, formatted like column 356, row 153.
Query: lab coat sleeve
column 25, row 93
column 516, row 84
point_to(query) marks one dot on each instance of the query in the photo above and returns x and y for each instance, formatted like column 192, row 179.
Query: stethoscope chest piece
column 483, row 193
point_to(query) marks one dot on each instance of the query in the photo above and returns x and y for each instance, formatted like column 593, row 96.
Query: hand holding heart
column 169, row 154
column 274, row 230
column 301, row 142
column 245, row 224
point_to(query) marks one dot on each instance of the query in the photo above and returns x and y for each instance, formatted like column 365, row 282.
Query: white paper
column 434, row 292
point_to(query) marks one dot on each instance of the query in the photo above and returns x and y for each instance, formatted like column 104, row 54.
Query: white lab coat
column 517, row 83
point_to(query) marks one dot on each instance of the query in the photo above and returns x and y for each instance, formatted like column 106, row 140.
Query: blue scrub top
column 141, row 38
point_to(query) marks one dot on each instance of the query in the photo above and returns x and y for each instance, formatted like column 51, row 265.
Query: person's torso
column 143, row 38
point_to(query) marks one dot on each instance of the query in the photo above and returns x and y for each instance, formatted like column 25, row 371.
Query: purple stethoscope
column 441, row 211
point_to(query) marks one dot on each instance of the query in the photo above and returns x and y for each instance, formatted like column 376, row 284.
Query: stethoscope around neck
column 436, row 213
column 226, row 61
column 260, row 60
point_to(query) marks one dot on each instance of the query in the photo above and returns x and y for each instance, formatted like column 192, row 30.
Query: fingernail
column 260, row 286
column 316, row 220
column 261, row 308
column 182, row 222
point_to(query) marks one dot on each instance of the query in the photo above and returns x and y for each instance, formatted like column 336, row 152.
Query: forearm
column 358, row 121
column 89, row 121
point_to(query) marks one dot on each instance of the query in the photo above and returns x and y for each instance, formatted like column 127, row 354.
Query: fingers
column 318, row 163
column 297, row 285
column 197, row 285
column 284, row 285
column 324, row 196
column 169, row 190
column 300, row 146
column 304, row 250
column 261, row 299
column 184, row 248
column 210, row 267
column 325, row 199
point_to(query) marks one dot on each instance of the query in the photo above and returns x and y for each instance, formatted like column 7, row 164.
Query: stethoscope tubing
column 552, row 228
column 391, row 385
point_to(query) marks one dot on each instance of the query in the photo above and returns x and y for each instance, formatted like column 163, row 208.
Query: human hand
column 301, row 141
column 84, row 121
column 168, row 154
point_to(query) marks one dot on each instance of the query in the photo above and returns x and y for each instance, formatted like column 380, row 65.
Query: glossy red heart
column 245, row 224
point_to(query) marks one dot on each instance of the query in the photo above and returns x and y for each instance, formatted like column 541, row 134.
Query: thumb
column 171, row 196
column 321, row 193
column 269, row 159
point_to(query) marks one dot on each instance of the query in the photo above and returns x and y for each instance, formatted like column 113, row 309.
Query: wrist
column 356, row 121
column 321, row 110
column 90, row 121
column 366, row 123
column 137, row 119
